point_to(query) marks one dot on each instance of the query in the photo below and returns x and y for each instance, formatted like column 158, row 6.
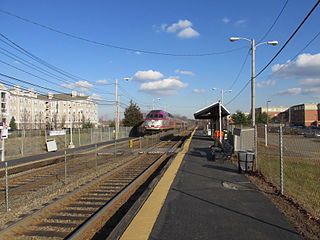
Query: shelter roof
column 211, row 112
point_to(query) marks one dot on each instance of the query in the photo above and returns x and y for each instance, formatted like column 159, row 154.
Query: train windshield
column 155, row 115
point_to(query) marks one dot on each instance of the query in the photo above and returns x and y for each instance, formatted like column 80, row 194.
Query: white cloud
column 183, row 29
column 145, row 76
column 312, row 82
column 95, row 96
column 184, row 72
column 166, row 86
column 82, row 86
column 188, row 33
column 306, row 66
column 266, row 83
column 290, row 91
column 199, row 90
column 181, row 24
column 240, row 22
column 164, row 27
column 311, row 90
column 226, row 20
column 102, row 81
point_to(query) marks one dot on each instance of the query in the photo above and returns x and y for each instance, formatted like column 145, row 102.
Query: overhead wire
column 37, row 85
column 274, row 22
column 22, row 50
column 115, row 46
column 48, row 65
column 277, row 54
column 262, row 38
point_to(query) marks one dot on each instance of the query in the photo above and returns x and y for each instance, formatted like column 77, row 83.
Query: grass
column 301, row 178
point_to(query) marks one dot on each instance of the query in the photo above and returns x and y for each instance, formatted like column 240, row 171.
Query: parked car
column 312, row 134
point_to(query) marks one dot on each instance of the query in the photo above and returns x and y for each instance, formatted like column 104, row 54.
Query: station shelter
column 215, row 113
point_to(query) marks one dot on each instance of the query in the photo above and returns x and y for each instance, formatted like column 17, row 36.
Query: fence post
column 91, row 135
column 281, row 158
column 101, row 134
column 65, row 167
column 7, row 186
column 22, row 138
column 65, row 139
column 256, row 145
column 266, row 135
column 79, row 136
column 115, row 149
column 96, row 155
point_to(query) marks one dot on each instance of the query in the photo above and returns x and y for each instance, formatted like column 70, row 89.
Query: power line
column 274, row 23
column 241, row 69
column 48, row 65
column 115, row 46
column 292, row 35
column 37, row 85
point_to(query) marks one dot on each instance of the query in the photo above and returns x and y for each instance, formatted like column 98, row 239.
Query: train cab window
column 160, row 116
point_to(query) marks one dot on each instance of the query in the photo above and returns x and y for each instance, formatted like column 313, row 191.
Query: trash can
column 245, row 161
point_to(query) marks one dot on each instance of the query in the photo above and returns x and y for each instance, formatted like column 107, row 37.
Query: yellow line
column 142, row 224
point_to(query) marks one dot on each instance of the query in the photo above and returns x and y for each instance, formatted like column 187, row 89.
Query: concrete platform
column 207, row 200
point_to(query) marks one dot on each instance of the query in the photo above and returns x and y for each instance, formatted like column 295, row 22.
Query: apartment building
column 52, row 111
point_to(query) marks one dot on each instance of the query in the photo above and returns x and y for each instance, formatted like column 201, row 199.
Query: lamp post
column 71, row 145
column 222, row 93
column 117, row 108
column 153, row 102
column 253, row 87
column 268, row 111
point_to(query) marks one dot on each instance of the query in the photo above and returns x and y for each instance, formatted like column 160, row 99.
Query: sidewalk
column 211, row 200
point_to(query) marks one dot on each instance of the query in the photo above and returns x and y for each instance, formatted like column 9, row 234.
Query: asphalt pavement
column 211, row 200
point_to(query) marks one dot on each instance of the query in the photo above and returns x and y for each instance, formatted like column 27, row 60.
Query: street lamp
column 253, row 87
column 153, row 102
column 117, row 108
column 268, row 111
column 71, row 145
column 222, row 92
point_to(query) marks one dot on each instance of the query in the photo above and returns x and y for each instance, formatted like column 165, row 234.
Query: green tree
column 262, row 118
column 132, row 115
column 240, row 118
column 13, row 124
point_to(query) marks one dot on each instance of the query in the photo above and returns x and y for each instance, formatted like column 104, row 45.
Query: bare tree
column 63, row 121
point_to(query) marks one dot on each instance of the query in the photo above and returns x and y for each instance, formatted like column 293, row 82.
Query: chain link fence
column 71, row 169
column 28, row 142
column 290, row 159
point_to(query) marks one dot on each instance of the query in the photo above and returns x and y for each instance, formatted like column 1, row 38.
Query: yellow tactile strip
column 142, row 224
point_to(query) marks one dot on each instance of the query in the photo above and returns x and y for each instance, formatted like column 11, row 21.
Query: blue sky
column 183, row 83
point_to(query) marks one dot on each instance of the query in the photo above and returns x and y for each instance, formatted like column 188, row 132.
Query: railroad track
column 44, row 173
column 82, row 212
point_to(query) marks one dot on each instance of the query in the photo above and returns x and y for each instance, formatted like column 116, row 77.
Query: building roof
column 211, row 112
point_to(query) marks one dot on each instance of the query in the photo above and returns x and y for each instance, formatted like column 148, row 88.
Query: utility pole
column 253, row 83
column 117, row 111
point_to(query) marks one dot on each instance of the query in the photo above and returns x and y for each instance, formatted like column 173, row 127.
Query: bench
column 224, row 149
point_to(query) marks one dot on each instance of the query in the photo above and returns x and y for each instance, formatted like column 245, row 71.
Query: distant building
column 53, row 111
column 297, row 115
column 304, row 115
column 275, row 113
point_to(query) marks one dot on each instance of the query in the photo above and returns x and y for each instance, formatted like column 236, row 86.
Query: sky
column 174, row 52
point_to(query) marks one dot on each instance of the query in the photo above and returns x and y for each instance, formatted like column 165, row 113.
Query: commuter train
column 159, row 120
